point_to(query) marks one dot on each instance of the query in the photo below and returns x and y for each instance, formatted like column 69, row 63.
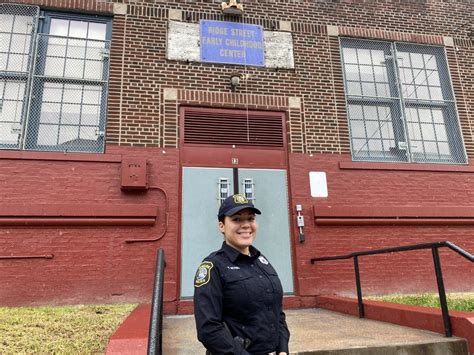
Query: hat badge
column 240, row 199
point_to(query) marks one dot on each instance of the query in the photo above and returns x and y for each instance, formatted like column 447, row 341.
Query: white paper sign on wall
column 318, row 184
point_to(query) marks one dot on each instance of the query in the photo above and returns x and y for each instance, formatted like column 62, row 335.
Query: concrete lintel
column 285, row 26
column 448, row 41
column 120, row 9
column 333, row 31
column 170, row 94
column 174, row 14
column 294, row 102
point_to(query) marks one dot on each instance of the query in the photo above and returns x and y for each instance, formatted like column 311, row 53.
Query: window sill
column 352, row 165
column 88, row 157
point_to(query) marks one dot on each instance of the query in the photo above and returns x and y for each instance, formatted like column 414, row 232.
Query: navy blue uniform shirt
column 245, row 293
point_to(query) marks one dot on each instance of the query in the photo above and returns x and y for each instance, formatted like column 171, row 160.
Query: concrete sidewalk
column 322, row 332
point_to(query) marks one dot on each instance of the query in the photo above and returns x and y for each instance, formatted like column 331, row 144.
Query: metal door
column 202, row 191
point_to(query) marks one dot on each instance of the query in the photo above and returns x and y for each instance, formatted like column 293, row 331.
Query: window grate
column 248, row 186
column 400, row 103
column 61, row 68
column 224, row 187
column 18, row 26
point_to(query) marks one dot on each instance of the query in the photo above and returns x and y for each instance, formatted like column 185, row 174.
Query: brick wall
column 140, row 72
column 464, row 58
column 316, row 79
column 97, row 6
column 95, row 264
column 366, row 188
column 91, row 263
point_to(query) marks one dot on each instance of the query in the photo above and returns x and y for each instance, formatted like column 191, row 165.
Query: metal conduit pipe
column 128, row 241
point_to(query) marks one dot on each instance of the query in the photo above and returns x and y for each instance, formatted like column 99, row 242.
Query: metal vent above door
column 241, row 128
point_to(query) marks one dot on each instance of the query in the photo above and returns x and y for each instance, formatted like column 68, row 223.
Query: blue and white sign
column 231, row 42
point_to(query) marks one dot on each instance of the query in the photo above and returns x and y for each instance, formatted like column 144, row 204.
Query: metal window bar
column 382, row 122
column 248, row 187
column 224, row 189
column 67, row 109
column 437, row 266
column 429, row 105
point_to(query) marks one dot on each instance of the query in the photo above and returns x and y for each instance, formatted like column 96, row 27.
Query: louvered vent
column 233, row 127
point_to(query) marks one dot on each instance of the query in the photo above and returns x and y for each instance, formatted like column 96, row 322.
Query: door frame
column 220, row 156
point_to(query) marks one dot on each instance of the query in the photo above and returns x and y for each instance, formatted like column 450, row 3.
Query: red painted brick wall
column 95, row 264
column 391, row 273
column 90, row 263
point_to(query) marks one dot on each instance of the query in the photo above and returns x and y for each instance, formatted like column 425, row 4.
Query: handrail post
column 437, row 264
column 442, row 293
column 359, row 289
column 155, row 335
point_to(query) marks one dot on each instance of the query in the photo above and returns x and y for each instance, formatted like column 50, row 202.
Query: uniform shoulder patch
column 203, row 274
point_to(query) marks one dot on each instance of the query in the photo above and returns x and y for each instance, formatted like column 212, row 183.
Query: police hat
column 235, row 203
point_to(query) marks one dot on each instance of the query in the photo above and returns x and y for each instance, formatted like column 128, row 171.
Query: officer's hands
column 239, row 346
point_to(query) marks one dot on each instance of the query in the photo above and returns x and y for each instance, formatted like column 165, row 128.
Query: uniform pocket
column 256, row 287
column 276, row 283
column 235, row 293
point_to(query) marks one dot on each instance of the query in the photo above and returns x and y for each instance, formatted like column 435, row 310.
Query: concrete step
column 322, row 332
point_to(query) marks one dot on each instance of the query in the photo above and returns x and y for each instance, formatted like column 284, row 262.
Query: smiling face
column 240, row 230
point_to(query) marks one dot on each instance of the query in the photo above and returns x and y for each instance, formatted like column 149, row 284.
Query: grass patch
column 456, row 301
column 82, row 329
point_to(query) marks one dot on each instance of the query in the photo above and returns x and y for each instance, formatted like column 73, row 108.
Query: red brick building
column 119, row 136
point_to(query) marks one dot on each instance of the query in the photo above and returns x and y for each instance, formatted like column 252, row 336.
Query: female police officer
column 237, row 293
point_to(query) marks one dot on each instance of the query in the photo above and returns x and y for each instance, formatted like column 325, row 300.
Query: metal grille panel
column 233, row 127
column 400, row 103
column 70, row 89
column 18, row 24
column 53, row 85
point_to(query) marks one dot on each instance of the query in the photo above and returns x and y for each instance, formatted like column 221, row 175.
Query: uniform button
column 260, row 276
column 268, row 290
column 243, row 327
column 252, row 265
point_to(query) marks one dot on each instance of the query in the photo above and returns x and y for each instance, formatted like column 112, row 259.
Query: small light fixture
column 232, row 7
column 235, row 80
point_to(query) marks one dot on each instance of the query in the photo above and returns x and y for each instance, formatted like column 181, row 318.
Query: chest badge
column 263, row 260
column 203, row 274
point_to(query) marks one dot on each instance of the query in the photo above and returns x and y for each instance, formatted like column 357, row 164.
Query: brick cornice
column 97, row 6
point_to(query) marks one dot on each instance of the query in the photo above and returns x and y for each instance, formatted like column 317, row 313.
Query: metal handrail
column 437, row 265
column 155, row 334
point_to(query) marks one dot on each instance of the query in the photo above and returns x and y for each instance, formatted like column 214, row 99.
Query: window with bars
column 224, row 187
column 400, row 103
column 248, row 186
column 53, row 79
